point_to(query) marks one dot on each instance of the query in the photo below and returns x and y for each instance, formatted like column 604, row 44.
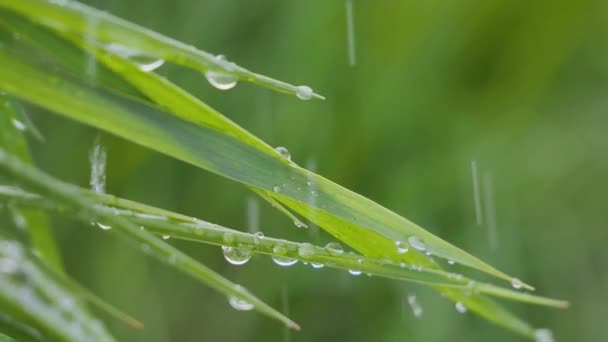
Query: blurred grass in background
column 519, row 87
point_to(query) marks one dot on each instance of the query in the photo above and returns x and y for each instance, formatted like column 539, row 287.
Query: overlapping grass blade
column 149, row 244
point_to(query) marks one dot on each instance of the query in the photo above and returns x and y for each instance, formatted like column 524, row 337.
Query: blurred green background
column 517, row 87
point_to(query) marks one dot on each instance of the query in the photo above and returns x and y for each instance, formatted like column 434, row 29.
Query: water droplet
column 306, row 250
column 309, row 183
column 240, row 304
column 416, row 243
column 460, row 307
column 144, row 61
column 284, row 261
column 354, row 272
column 314, row 193
column 237, row 256
column 257, row 237
column 276, row 189
column 315, row 265
column 416, row 308
column 279, row 249
column 428, row 253
column 451, row 262
column 516, row 283
column 283, row 152
column 221, row 80
column 401, row 247
column 304, row 92
column 543, row 335
column 298, row 223
column 18, row 125
column 103, row 226
column 334, row 248
column 166, row 237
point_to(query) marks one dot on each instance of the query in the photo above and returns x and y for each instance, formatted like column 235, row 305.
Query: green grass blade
column 72, row 16
column 163, row 222
column 26, row 291
column 153, row 246
column 36, row 223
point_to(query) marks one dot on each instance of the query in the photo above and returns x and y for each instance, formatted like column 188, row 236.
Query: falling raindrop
column 543, row 335
column 253, row 214
column 401, row 247
column 516, row 283
column 460, row 307
column 304, row 92
column 354, row 272
column 416, row 308
column 490, row 209
column 350, row 29
column 334, row 248
column 416, row 243
column 283, row 152
column 97, row 158
column 476, row 196
column 237, row 256
column 240, row 304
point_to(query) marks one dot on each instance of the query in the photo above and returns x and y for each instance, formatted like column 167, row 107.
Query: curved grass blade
column 11, row 137
column 28, row 292
column 179, row 226
column 71, row 16
column 149, row 244
column 18, row 330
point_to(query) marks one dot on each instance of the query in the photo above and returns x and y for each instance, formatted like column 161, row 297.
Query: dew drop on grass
column 516, row 283
column 103, row 226
column 314, row 193
column 284, row 152
column 543, row 335
column 144, row 61
column 284, row 261
column 236, row 256
column 416, row 243
column 315, row 265
column 18, row 125
column 276, row 189
column 451, row 262
column 334, row 248
column 413, row 303
column 304, row 92
column 401, row 247
column 166, row 237
column 257, row 237
column 240, row 304
column 306, row 250
column 460, row 307
column 298, row 224
column 354, row 272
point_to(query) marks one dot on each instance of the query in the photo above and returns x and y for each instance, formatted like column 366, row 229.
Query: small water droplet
column 309, row 183
column 240, row 304
column 306, row 250
column 315, row 265
column 416, row 243
column 257, row 237
column 460, row 307
column 18, row 125
column 298, row 223
column 304, row 92
column 401, row 247
column 237, row 256
column 314, row 193
column 543, row 335
column 451, row 262
column 276, row 189
column 144, row 61
column 516, row 283
column 166, row 237
column 428, row 253
column 283, row 152
column 103, row 226
column 354, row 272
column 334, row 248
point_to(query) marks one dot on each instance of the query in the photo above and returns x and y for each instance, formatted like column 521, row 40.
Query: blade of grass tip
column 148, row 243
column 36, row 223
column 72, row 16
column 194, row 229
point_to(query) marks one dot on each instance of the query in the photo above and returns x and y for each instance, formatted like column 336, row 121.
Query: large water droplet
column 284, row 261
column 240, row 304
column 354, row 272
column 315, row 265
column 543, row 335
column 516, row 283
column 401, row 247
column 283, row 152
column 334, row 248
column 304, row 92
column 236, row 256
column 219, row 79
column 416, row 243
column 144, row 61
column 460, row 307
column 306, row 250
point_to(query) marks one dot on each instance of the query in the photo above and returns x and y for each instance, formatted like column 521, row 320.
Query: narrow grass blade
column 149, row 244
column 72, row 16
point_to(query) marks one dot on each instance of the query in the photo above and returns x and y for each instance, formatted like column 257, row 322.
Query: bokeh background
column 517, row 87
